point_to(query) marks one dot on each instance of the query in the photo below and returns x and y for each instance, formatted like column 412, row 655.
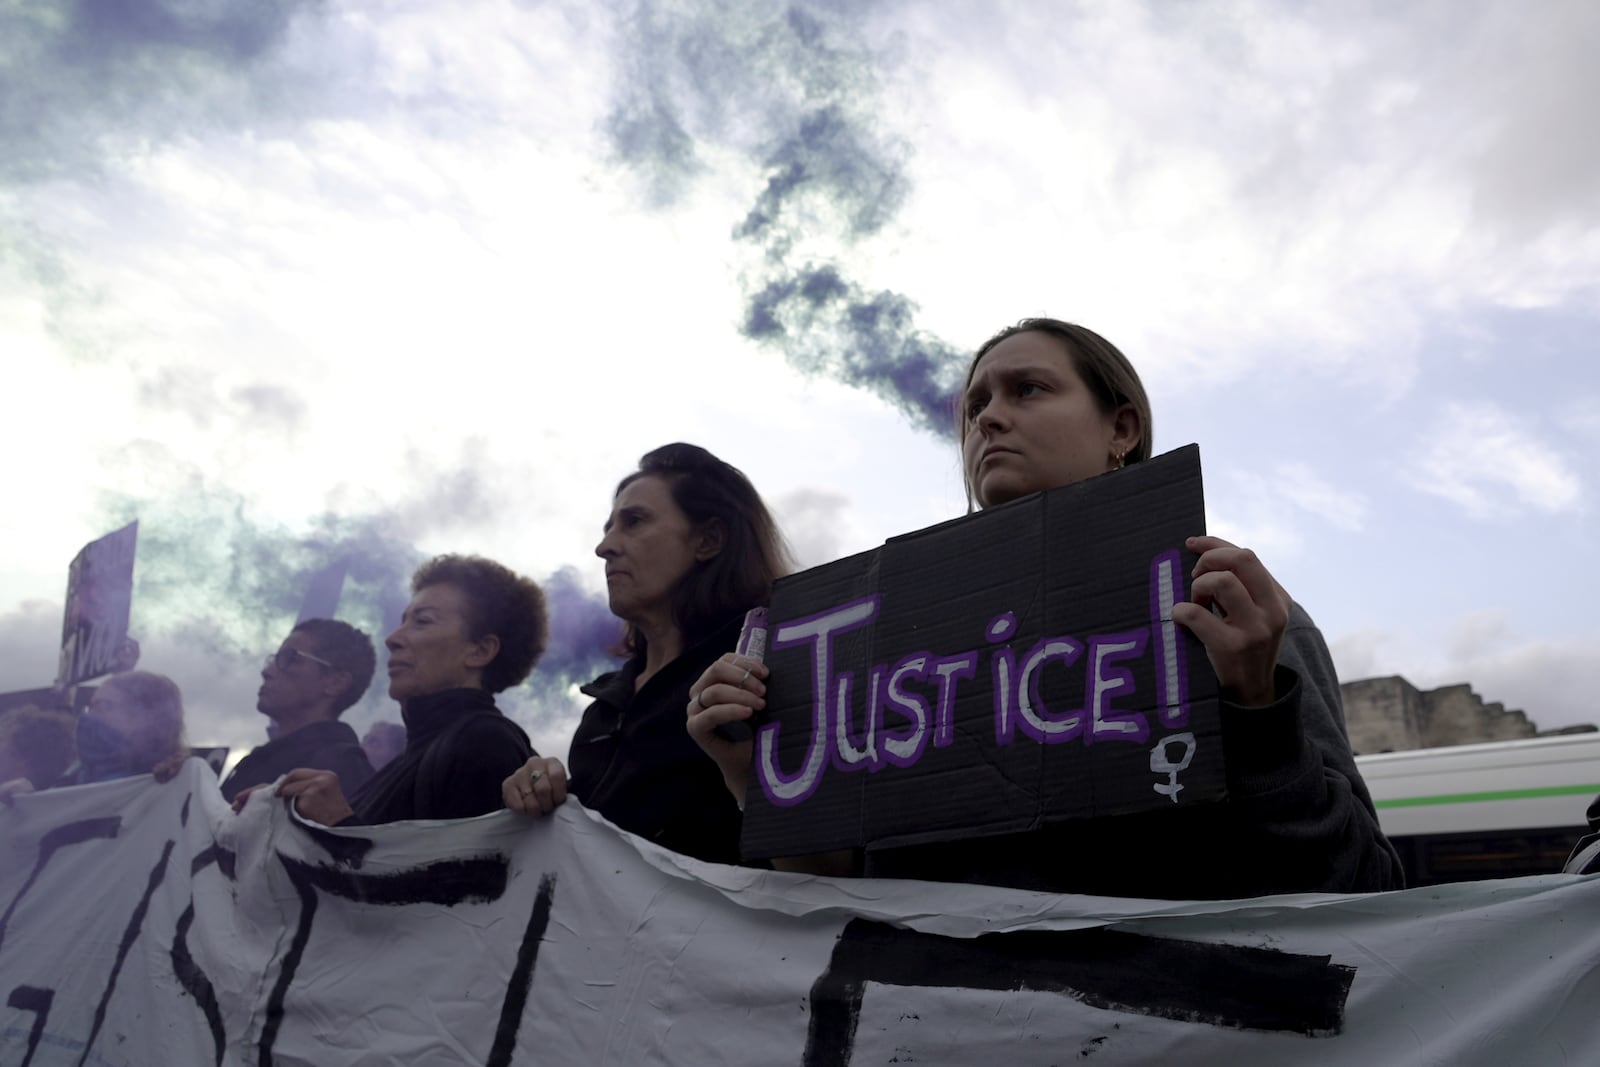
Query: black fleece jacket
column 633, row 761
column 459, row 749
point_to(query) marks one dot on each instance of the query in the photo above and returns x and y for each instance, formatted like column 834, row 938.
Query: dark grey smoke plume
column 795, row 88
column 582, row 629
column 79, row 78
column 823, row 322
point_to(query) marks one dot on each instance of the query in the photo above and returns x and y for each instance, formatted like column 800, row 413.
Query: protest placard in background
column 991, row 674
column 99, row 601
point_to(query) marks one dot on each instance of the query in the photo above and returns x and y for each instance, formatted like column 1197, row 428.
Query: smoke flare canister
column 752, row 643
column 753, row 638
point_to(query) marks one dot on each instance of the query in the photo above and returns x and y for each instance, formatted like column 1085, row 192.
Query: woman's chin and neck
column 662, row 638
column 473, row 680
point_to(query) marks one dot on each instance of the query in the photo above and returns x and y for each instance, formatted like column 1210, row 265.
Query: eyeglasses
column 285, row 659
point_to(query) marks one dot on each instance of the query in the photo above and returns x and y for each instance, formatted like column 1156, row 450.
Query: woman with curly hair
column 473, row 628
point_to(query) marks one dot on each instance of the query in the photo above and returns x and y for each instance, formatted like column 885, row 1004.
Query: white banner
column 146, row 924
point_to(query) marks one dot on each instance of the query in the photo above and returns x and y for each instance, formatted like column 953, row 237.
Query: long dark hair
column 753, row 554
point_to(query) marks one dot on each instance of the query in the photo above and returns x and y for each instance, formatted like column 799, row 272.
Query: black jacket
column 459, row 749
column 1585, row 858
column 633, row 761
column 322, row 746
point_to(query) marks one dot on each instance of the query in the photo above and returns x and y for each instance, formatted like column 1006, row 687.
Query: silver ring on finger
column 744, row 679
column 534, row 777
column 700, row 698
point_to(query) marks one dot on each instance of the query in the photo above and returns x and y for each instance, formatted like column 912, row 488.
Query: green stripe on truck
column 1499, row 794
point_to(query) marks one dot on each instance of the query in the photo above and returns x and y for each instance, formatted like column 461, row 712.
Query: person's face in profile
column 649, row 547
column 1032, row 423
column 293, row 678
column 431, row 651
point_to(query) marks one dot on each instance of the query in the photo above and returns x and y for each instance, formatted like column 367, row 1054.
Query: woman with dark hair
column 473, row 628
column 689, row 547
column 1046, row 404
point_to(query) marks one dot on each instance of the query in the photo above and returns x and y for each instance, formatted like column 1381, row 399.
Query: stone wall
column 1390, row 715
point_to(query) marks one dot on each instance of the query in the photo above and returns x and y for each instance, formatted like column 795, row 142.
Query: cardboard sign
column 991, row 674
column 99, row 599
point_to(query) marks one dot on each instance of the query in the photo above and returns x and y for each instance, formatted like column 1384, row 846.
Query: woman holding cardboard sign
column 1047, row 404
column 689, row 547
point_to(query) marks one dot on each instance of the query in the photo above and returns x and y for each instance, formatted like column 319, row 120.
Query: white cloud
column 1268, row 513
column 30, row 638
column 1580, row 416
column 816, row 523
column 1308, row 491
column 1553, row 680
column 1242, row 188
column 1492, row 464
column 1365, row 653
column 1478, row 635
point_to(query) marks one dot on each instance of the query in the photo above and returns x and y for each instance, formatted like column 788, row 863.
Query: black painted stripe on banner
column 129, row 935
column 516, row 1002
column 1233, row 986
column 72, row 833
column 214, row 853
column 30, row 998
column 291, row 960
column 446, row 883
column 195, row 982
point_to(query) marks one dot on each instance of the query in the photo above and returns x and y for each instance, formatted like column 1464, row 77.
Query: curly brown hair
column 499, row 602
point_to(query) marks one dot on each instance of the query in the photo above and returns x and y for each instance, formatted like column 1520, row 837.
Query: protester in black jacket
column 1585, row 858
column 322, row 668
column 689, row 548
column 473, row 628
column 1047, row 404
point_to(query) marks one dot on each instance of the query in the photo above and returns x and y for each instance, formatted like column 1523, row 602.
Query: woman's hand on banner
column 316, row 796
column 537, row 787
column 168, row 768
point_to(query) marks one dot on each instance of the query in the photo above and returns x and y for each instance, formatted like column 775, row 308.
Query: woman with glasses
column 689, row 547
column 1046, row 404
column 322, row 668
column 473, row 628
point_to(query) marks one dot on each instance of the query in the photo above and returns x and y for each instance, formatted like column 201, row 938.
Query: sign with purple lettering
column 94, row 627
column 992, row 674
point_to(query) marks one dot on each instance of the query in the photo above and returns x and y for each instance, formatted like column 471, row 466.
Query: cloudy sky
column 299, row 281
